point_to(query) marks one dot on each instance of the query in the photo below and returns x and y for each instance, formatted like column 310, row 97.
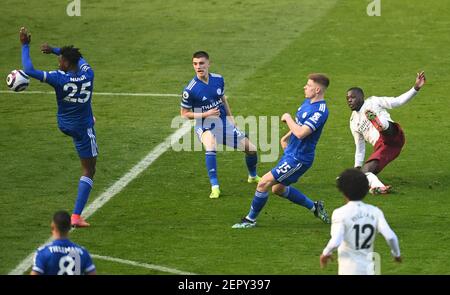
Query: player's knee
column 263, row 186
column 278, row 190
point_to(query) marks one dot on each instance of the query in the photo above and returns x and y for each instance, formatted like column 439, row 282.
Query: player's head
column 200, row 62
column 61, row 224
column 355, row 98
column 68, row 60
column 353, row 184
column 316, row 85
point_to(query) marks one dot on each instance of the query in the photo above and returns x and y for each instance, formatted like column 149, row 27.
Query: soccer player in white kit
column 372, row 123
column 353, row 228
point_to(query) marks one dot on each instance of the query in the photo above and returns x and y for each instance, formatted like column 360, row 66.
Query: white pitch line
column 144, row 265
column 118, row 186
column 99, row 93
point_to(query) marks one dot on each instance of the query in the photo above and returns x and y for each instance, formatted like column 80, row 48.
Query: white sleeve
column 389, row 235
column 337, row 234
column 394, row 102
column 360, row 151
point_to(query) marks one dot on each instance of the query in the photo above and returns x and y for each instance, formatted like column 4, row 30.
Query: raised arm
column 407, row 96
column 25, row 39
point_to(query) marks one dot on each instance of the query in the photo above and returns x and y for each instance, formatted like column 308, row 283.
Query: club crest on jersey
column 185, row 94
column 219, row 91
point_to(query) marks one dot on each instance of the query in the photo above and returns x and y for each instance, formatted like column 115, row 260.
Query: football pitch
column 162, row 221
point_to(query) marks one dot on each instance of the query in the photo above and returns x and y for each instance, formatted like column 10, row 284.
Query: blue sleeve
column 56, row 50
column 39, row 262
column 186, row 99
column 316, row 120
column 28, row 65
column 88, row 264
column 83, row 66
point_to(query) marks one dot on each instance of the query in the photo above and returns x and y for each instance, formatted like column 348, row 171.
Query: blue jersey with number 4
column 314, row 115
column 62, row 257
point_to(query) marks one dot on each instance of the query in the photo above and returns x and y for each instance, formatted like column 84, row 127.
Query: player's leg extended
column 293, row 195
column 259, row 201
column 84, row 189
column 86, row 145
column 209, row 142
column 251, row 159
column 288, row 171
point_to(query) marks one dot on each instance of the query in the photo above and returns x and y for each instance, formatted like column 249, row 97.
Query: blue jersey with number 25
column 74, row 95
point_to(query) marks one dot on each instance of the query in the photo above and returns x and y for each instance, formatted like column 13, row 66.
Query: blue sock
column 251, row 161
column 84, row 189
column 259, row 200
column 211, row 166
column 297, row 197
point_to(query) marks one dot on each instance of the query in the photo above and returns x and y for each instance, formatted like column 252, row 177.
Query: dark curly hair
column 71, row 54
column 353, row 184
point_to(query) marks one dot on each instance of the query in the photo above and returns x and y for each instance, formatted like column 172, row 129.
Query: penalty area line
column 117, row 187
column 144, row 265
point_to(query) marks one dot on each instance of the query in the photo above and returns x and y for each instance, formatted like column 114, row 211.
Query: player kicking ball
column 204, row 100
column 372, row 123
column 300, row 143
column 354, row 226
column 73, row 83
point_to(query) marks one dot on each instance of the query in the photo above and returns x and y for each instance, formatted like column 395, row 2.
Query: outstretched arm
column 25, row 39
column 407, row 96
column 47, row 49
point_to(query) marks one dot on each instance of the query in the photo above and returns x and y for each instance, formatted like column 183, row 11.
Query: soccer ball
column 17, row 80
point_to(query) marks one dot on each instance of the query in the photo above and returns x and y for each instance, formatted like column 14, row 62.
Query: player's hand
column 285, row 117
column 398, row 259
column 324, row 260
column 212, row 113
column 45, row 48
column 24, row 36
column 420, row 80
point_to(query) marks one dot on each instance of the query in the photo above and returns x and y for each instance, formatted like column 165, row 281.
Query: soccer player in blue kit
column 204, row 100
column 299, row 148
column 61, row 256
column 73, row 84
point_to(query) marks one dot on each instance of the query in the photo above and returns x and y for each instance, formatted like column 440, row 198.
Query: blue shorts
column 84, row 141
column 289, row 170
column 224, row 132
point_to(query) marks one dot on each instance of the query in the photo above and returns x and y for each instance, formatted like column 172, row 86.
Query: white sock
column 373, row 180
column 214, row 186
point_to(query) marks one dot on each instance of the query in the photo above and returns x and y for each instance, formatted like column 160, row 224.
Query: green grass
column 264, row 49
